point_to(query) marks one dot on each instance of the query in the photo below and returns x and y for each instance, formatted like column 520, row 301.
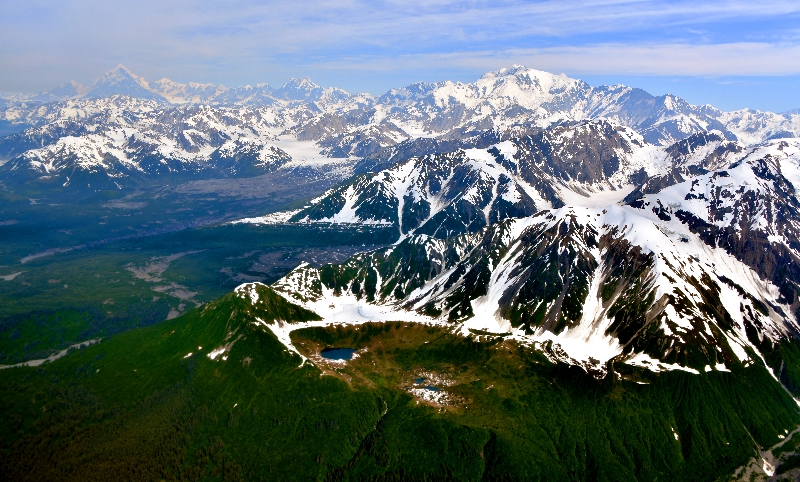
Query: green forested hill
column 137, row 406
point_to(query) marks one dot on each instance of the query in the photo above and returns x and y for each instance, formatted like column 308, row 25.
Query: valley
column 521, row 278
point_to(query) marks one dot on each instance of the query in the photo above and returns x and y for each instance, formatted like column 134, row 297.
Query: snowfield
column 752, row 193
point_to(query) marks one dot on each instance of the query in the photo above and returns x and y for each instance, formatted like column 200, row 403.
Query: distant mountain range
column 121, row 81
column 122, row 129
column 511, row 97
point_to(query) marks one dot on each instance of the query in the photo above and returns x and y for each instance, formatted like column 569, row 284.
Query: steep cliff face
column 701, row 274
column 749, row 209
column 467, row 189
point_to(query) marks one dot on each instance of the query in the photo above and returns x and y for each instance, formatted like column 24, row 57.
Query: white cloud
column 236, row 41
column 709, row 60
column 320, row 26
column 712, row 60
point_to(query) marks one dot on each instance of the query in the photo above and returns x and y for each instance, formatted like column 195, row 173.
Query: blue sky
column 731, row 54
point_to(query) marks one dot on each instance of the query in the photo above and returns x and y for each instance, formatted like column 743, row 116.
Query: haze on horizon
column 731, row 54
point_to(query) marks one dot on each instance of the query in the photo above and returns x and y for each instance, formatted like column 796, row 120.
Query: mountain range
column 577, row 239
column 698, row 273
column 121, row 81
column 507, row 97
column 123, row 129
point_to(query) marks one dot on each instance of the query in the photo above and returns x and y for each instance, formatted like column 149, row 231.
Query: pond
column 338, row 353
column 421, row 380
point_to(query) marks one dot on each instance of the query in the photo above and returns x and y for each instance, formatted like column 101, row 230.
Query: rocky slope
column 698, row 276
column 468, row 188
column 113, row 147
column 749, row 209
column 175, row 122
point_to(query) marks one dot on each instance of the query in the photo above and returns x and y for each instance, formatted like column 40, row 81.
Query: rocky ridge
column 700, row 275
column 329, row 122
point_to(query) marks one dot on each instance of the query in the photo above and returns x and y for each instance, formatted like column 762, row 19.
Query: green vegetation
column 95, row 290
column 138, row 406
column 149, row 404
column 554, row 422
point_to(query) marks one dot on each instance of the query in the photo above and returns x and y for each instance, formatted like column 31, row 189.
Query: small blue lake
column 338, row 353
column 421, row 380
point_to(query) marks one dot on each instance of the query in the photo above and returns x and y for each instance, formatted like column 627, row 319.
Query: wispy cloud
column 235, row 41
column 708, row 60
column 419, row 26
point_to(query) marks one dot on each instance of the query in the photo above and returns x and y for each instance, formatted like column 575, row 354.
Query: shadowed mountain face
column 465, row 190
column 575, row 283
column 701, row 273
column 438, row 195
column 201, row 388
column 583, row 283
column 750, row 210
column 585, row 164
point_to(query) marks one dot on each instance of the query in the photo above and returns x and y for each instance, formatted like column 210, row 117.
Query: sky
column 731, row 54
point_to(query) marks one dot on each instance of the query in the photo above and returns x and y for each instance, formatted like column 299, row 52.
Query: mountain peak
column 517, row 70
column 305, row 81
column 120, row 80
column 299, row 89
column 119, row 72
column 69, row 89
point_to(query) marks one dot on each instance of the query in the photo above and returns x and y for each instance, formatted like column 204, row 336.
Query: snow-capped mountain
column 118, row 141
column 120, row 81
column 440, row 195
column 193, row 92
column 117, row 81
column 466, row 189
column 516, row 96
column 749, row 209
column 693, row 156
column 306, row 90
column 152, row 120
column 68, row 90
column 699, row 276
column 523, row 97
column 260, row 95
column 78, row 164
